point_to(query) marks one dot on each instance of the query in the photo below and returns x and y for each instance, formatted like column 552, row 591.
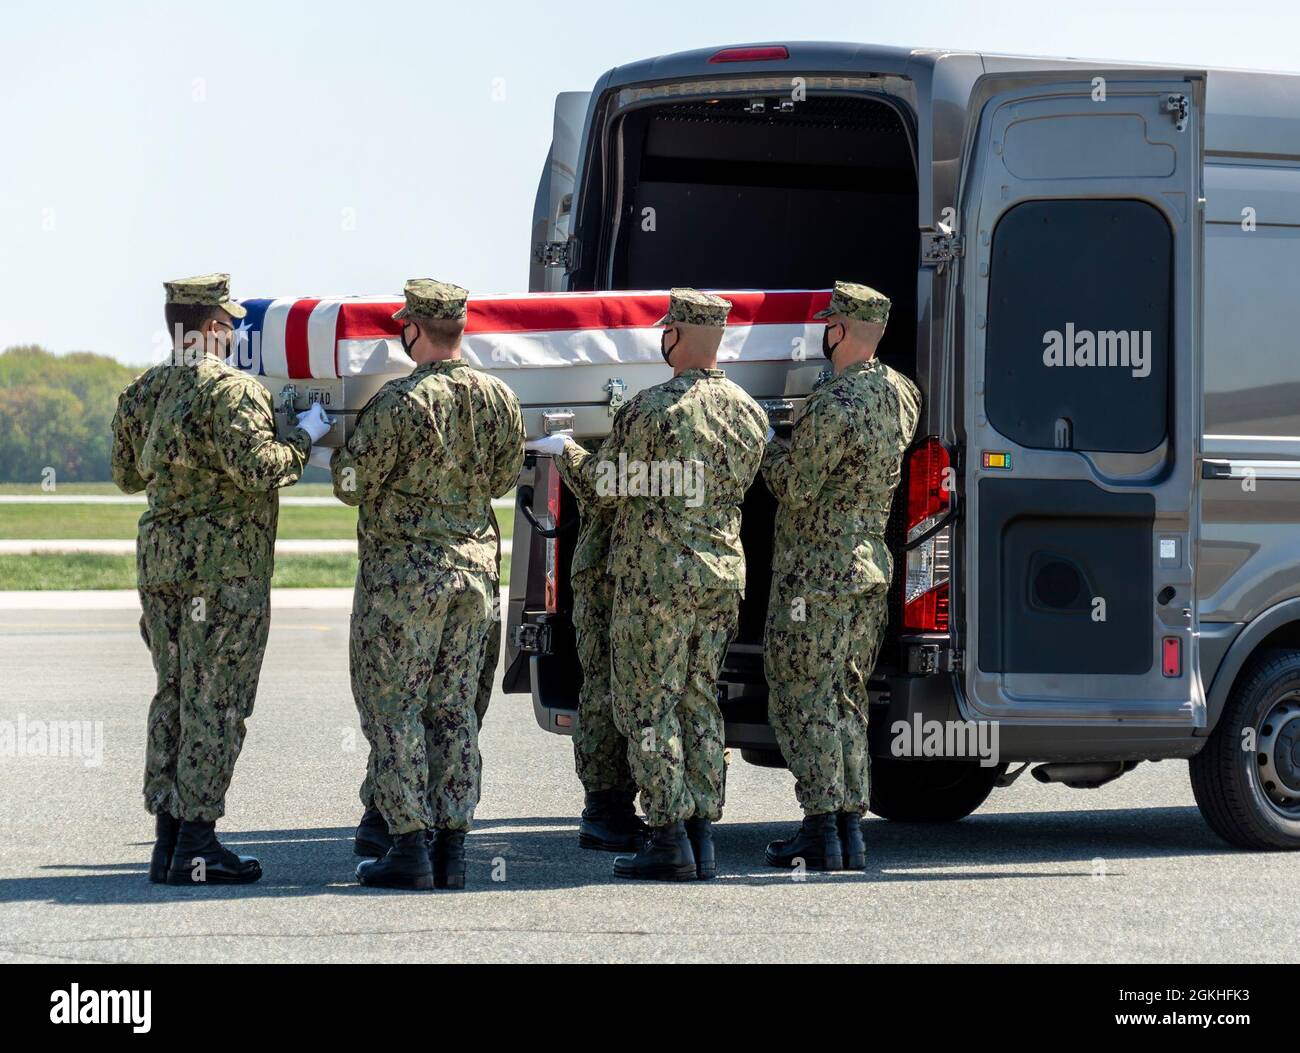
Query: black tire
column 1251, row 797
column 929, row 791
column 763, row 758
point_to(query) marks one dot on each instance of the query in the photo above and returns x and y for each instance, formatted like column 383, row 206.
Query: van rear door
column 552, row 247
column 1078, row 282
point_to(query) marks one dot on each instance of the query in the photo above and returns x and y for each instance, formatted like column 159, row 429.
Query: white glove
column 551, row 444
column 320, row 456
column 313, row 421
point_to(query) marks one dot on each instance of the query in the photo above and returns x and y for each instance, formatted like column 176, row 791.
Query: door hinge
column 1179, row 108
column 938, row 247
column 927, row 658
column 557, row 254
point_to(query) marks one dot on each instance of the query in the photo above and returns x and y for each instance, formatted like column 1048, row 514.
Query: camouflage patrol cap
column 210, row 289
column 692, row 307
column 860, row 302
column 426, row 298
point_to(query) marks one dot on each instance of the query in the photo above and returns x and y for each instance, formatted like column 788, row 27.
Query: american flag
column 327, row 337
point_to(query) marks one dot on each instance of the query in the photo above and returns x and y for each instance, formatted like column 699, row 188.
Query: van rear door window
column 1077, row 349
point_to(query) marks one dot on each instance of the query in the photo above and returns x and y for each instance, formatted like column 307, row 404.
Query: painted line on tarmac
column 123, row 547
column 140, row 499
column 129, row 600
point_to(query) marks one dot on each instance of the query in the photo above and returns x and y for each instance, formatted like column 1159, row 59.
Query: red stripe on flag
column 367, row 321
column 540, row 312
column 297, row 357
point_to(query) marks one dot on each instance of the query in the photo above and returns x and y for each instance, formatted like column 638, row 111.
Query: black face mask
column 402, row 337
column 828, row 348
column 664, row 349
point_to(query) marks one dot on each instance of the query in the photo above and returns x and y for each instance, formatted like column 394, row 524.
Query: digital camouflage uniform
column 426, row 458
column 492, row 646
column 831, row 568
column 679, row 569
column 200, row 440
column 599, row 746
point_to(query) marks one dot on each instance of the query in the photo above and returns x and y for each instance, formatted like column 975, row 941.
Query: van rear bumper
column 908, row 699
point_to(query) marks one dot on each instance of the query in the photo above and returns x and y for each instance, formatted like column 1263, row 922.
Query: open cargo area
column 746, row 193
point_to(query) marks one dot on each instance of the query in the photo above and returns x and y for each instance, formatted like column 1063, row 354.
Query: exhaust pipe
column 1085, row 775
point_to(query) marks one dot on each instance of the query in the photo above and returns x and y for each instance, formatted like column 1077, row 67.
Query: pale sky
column 327, row 148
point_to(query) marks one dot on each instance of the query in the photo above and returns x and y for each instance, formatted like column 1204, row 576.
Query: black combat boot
column 373, row 839
column 200, row 859
column 610, row 823
column 405, row 865
column 665, row 856
column 700, row 833
column 855, row 848
column 447, row 850
column 165, row 828
column 817, row 843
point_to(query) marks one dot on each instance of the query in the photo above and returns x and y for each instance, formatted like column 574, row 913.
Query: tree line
column 56, row 412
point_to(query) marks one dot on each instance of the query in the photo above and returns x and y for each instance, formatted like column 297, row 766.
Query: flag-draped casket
column 562, row 353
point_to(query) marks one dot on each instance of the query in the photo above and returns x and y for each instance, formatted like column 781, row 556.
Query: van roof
column 843, row 56
column 1248, row 112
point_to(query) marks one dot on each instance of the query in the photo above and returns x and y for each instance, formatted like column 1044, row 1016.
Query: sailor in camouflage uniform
column 198, row 436
column 831, row 569
column 372, row 837
column 425, row 459
column 676, row 466
column 609, row 821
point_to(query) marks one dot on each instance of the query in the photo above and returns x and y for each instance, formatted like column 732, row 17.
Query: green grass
column 75, row 570
column 94, row 571
column 119, row 521
column 107, row 522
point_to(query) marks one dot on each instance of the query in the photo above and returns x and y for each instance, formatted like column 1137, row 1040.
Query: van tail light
column 929, row 564
column 776, row 53
column 552, row 545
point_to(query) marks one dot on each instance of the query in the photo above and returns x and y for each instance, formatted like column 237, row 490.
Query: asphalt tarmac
column 1128, row 872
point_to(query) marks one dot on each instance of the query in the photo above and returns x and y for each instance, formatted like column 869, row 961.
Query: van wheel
column 1246, row 779
column 929, row 791
column 763, row 758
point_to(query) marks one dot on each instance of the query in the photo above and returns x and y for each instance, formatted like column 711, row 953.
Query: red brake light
column 929, row 611
column 928, row 564
column 768, row 54
column 928, row 482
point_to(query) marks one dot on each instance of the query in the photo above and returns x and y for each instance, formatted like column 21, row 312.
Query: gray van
column 1097, row 537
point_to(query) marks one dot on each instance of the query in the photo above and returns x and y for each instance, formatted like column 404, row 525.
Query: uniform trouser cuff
column 601, row 786
column 667, row 818
column 160, row 804
column 202, row 815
